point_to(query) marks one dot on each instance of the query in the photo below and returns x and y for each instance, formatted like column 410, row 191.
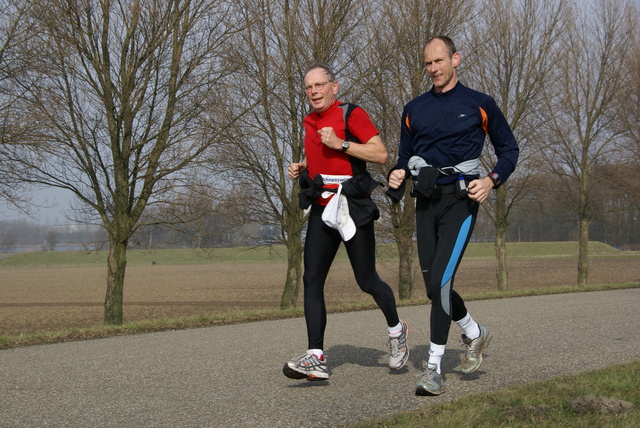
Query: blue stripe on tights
column 457, row 251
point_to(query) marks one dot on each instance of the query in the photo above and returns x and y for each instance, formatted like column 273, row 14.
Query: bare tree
column 281, row 39
column 15, row 30
column 7, row 242
column 51, row 240
column 584, row 111
column 514, row 44
column 631, row 102
column 117, row 94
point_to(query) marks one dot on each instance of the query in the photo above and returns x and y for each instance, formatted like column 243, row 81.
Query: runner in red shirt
column 339, row 140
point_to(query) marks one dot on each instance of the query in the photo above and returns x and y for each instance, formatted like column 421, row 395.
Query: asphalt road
column 231, row 375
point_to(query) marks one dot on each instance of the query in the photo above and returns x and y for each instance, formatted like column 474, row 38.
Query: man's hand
column 329, row 138
column 295, row 169
column 479, row 189
column 396, row 178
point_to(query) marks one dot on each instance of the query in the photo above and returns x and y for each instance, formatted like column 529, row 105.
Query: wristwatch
column 495, row 178
column 345, row 146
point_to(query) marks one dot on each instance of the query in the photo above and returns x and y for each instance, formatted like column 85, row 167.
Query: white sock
column 436, row 352
column 469, row 327
column 317, row 352
column 394, row 331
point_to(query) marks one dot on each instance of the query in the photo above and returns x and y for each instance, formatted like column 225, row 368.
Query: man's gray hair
column 324, row 67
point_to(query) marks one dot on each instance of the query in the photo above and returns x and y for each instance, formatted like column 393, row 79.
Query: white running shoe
column 398, row 349
column 473, row 355
column 306, row 366
column 431, row 382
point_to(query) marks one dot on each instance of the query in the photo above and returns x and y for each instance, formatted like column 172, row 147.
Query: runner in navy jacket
column 442, row 136
column 447, row 128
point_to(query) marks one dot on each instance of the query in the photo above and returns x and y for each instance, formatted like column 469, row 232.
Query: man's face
column 441, row 66
column 320, row 91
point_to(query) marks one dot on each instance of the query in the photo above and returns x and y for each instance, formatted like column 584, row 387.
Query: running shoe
column 473, row 355
column 431, row 382
column 398, row 349
column 306, row 366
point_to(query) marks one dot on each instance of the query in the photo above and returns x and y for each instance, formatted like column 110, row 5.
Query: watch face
column 345, row 145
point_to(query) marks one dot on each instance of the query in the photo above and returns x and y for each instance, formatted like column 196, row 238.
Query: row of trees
column 23, row 235
column 161, row 111
column 533, row 221
column 212, row 231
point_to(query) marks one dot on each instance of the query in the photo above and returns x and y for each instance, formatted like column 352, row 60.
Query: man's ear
column 456, row 59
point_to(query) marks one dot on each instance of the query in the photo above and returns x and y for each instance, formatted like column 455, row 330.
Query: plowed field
column 53, row 298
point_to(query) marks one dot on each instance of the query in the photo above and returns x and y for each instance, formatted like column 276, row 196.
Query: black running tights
column 320, row 248
column 443, row 227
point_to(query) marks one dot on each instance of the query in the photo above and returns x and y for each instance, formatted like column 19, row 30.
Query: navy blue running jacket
column 449, row 128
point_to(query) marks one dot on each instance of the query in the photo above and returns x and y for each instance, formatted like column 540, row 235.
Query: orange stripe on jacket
column 485, row 121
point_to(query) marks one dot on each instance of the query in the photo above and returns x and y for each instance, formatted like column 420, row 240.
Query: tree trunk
column 501, row 224
column 583, row 219
column 404, row 225
column 294, row 274
column 295, row 250
column 405, row 265
column 117, row 264
column 502, row 272
column 583, row 252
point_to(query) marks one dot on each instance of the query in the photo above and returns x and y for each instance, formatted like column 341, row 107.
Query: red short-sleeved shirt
column 323, row 160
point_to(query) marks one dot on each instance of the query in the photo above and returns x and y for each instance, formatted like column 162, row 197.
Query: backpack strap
column 347, row 109
column 357, row 165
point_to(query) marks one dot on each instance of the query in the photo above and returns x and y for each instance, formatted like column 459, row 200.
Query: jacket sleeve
column 405, row 150
column 503, row 141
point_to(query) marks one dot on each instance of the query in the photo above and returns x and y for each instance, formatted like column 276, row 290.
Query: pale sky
column 60, row 200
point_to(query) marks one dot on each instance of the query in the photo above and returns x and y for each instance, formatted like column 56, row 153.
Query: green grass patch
column 198, row 321
column 278, row 253
column 539, row 249
column 539, row 404
column 266, row 254
column 164, row 324
column 140, row 327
